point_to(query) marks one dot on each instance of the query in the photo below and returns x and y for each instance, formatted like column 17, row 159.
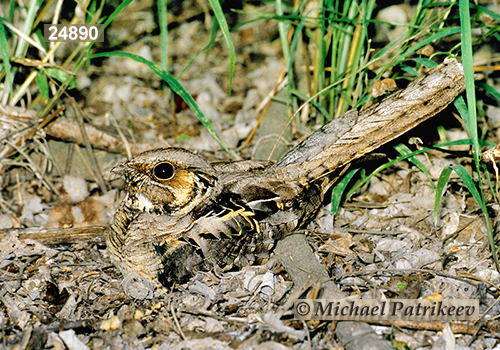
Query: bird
column 183, row 214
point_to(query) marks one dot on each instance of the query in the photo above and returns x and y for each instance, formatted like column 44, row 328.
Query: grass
column 332, row 38
column 339, row 79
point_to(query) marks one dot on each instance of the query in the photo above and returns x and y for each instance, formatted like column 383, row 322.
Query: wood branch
column 68, row 130
column 55, row 236
column 436, row 326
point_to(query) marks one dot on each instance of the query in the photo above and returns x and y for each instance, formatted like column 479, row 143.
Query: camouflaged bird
column 182, row 214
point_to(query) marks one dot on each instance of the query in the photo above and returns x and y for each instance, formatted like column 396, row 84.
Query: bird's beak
column 120, row 169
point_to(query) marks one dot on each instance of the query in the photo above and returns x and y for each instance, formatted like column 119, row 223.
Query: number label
column 73, row 33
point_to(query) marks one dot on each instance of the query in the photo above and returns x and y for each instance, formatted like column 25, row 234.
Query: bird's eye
column 164, row 171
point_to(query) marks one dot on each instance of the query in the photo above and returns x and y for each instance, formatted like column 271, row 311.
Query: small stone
column 138, row 314
column 111, row 324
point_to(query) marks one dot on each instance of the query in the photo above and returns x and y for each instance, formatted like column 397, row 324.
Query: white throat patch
column 144, row 203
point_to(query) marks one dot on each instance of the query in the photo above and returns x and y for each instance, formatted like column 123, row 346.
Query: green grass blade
column 211, row 41
column 115, row 13
column 464, row 142
column 410, row 70
column 62, row 76
column 466, row 179
column 466, row 39
column 339, row 189
column 106, row 23
column 319, row 66
column 469, row 183
column 297, row 35
column 488, row 179
column 494, row 15
column 28, row 26
column 174, row 84
column 405, row 151
column 426, row 62
column 478, row 196
column 4, row 52
column 490, row 89
column 162, row 19
column 385, row 166
column 441, row 184
column 198, row 54
column 43, row 85
column 411, row 50
column 316, row 104
column 12, row 8
column 282, row 31
column 219, row 15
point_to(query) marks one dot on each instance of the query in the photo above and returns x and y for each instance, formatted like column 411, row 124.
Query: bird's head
column 167, row 180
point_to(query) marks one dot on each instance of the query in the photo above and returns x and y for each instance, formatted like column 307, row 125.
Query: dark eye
column 164, row 171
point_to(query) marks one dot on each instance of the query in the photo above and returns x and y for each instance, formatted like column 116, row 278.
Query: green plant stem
column 162, row 19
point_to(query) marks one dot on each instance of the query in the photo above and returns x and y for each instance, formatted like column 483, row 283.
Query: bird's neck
column 124, row 215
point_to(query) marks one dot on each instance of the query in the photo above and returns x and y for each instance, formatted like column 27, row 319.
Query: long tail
column 353, row 135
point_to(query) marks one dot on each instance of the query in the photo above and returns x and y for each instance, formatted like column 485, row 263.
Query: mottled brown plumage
column 201, row 215
column 183, row 214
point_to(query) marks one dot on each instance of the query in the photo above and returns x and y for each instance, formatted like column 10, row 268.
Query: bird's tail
column 354, row 134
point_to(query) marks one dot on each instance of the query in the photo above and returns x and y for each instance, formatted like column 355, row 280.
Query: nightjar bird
column 183, row 214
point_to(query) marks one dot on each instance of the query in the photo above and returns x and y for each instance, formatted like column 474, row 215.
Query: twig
column 34, row 168
column 376, row 232
column 395, row 271
column 68, row 130
column 200, row 312
column 42, row 124
column 289, row 303
column 93, row 161
column 55, row 236
column 177, row 322
column 436, row 326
